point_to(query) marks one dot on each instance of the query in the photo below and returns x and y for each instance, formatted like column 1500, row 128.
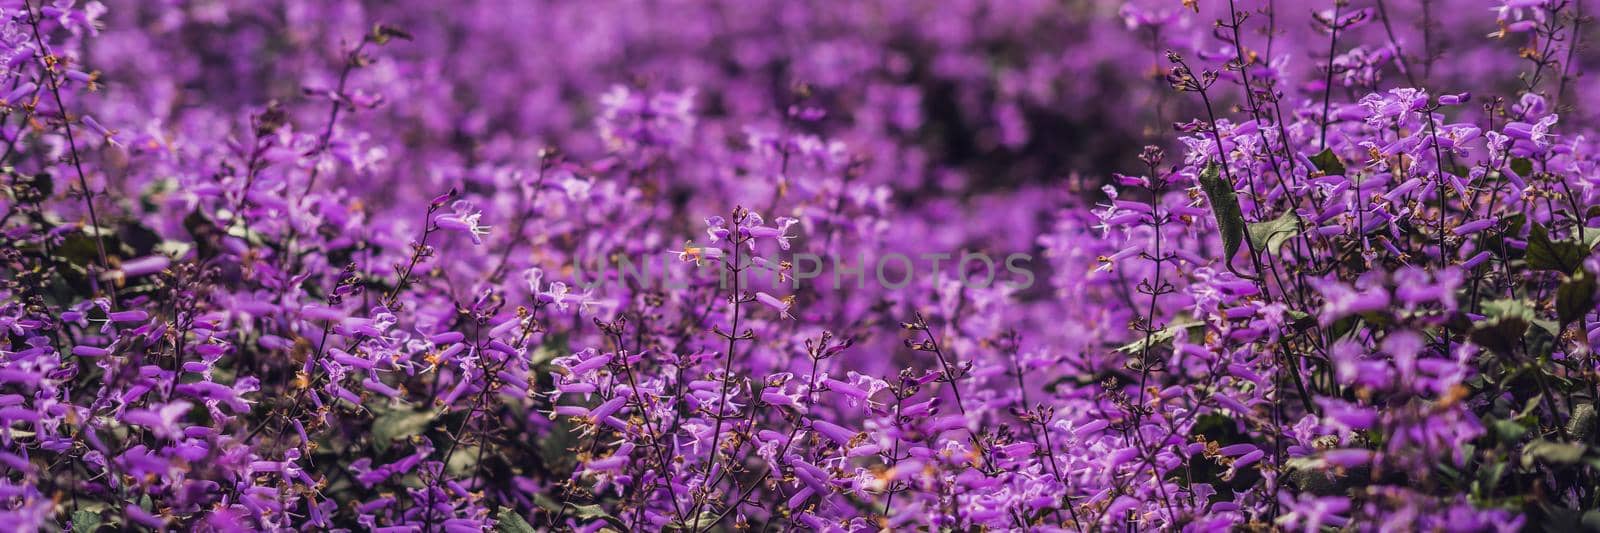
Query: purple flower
column 463, row 219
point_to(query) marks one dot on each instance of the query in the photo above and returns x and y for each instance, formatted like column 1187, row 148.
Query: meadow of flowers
column 1300, row 265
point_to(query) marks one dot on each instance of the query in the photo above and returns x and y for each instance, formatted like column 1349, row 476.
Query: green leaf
column 84, row 521
column 399, row 424
column 1489, row 478
column 1345, row 326
column 1541, row 341
column 701, row 520
column 1508, row 431
column 1508, row 309
column 1550, row 517
column 1575, row 297
column 1582, row 422
column 1271, row 235
column 1328, row 163
column 205, row 234
column 1588, row 239
column 596, row 512
column 1301, row 320
column 1503, row 325
column 78, row 249
column 1225, row 205
column 1158, row 338
column 44, row 184
column 1545, row 254
column 508, row 521
column 1513, row 226
column 555, row 447
column 1522, row 166
column 554, row 345
column 1548, row 452
column 1529, row 407
column 464, row 462
column 1590, row 520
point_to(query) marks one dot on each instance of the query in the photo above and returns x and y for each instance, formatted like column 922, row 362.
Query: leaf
column 1313, row 475
column 398, row 425
column 1508, row 309
column 1541, row 341
column 1529, row 407
column 1225, row 205
column 1548, row 452
column 554, row 448
column 78, row 249
column 42, row 186
column 1560, row 256
column 1508, row 431
column 1328, row 163
column 1345, row 326
column 1514, row 224
column 205, row 234
column 701, row 520
column 1503, row 325
column 1271, row 235
column 1301, row 320
column 464, row 462
column 1555, row 518
column 508, row 521
column 1522, row 166
column 1489, row 478
column 1582, row 422
column 1158, row 338
column 1575, row 297
column 1590, row 520
column 554, row 346
column 1224, row 430
column 596, row 512
column 84, row 521
column 139, row 239
column 173, row 248
column 544, row 501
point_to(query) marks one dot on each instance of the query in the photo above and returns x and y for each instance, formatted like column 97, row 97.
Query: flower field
column 718, row 265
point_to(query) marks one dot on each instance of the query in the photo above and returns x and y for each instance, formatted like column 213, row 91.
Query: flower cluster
column 307, row 265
